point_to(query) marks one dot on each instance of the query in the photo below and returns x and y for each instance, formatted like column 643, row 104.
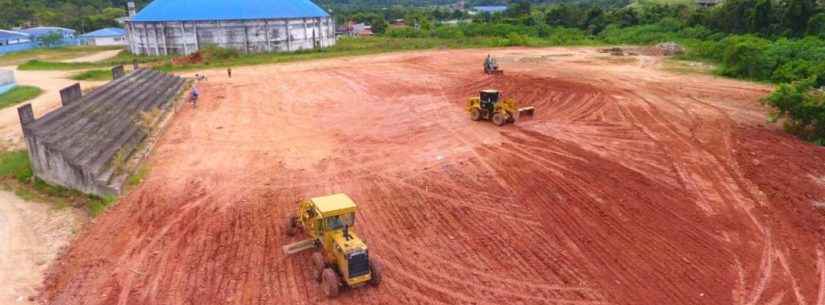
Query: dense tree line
column 81, row 15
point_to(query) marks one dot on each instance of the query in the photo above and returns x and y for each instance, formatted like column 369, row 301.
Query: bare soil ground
column 99, row 56
column 31, row 236
column 630, row 186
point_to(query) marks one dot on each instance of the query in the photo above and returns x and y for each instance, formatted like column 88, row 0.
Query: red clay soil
column 631, row 185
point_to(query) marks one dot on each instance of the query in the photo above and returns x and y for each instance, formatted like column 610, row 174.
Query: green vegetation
column 138, row 176
column 52, row 54
column 18, row 95
column 82, row 15
column 216, row 57
column 16, row 174
column 99, row 75
column 37, row 64
column 123, row 58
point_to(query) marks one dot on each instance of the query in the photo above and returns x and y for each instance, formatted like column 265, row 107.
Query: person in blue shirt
column 194, row 96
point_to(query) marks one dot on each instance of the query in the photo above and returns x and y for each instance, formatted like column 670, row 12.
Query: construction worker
column 193, row 97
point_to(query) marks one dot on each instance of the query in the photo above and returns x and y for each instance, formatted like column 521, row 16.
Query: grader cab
column 341, row 259
column 490, row 106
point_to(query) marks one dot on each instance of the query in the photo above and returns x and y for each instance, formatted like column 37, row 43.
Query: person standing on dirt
column 229, row 72
column 193, row 97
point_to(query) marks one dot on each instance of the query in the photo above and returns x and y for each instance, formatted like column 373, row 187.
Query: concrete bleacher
column 77, row 145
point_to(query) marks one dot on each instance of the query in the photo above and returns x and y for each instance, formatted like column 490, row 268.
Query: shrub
column 744, row 57
column 516, row 39
column 803, row 107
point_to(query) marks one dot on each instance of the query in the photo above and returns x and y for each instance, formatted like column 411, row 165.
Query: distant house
column 354, row 29
column 40, row 31
column 399, row 22
column 707, row 3
column 13, row 37
column 488, row 9
column 105, row 37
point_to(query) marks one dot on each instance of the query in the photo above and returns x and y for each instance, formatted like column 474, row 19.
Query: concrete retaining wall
column 7, row 81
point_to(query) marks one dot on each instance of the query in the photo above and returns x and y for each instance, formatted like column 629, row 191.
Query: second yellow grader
column 490, row 106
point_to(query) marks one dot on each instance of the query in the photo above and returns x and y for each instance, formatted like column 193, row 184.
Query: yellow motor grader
column 490, row 106
column 341, row 258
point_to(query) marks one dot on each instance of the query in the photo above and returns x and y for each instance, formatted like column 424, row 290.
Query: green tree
column 563, row 15
column 797, row 15
column 518, row 8
column 816, row 26
column 761, row 17
column 51, row 39
column 379, row 25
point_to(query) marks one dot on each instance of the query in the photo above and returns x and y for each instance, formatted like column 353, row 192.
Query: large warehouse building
column 166, row 27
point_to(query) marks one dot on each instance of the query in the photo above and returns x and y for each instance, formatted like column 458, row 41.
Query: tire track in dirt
column 625, row 188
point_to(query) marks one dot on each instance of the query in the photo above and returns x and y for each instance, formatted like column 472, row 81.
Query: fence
column 32, row 45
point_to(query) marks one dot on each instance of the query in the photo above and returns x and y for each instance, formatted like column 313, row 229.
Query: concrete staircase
column 77, row 145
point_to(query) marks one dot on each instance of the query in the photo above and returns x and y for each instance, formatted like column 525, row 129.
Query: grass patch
column 19, row 95
column 99, row 75
column 55, row 54
column 122, row 58
column 16, row 174
column 37, row 64
column 138, row 176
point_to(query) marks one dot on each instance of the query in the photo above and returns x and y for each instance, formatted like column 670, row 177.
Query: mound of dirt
column 669, row 49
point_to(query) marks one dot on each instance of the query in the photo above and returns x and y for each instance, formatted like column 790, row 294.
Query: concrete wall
column 7, row 81
column 248, row 36
column 107, row 41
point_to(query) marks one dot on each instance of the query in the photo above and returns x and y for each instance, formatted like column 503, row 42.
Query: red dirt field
column 631, row 185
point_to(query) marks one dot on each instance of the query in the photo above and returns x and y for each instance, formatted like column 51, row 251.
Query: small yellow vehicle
column 341, row 259
column 490, row 106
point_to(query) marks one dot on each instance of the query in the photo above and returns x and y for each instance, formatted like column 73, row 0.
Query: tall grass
column 19, row 95
column 16, row 174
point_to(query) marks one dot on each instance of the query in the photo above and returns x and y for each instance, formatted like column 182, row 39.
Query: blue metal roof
column 106, row 32
column 195, row 10
column 9, row 35
column 490, row 9
column 45, row 30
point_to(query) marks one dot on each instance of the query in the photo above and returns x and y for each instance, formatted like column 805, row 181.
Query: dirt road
column 31, row 235
column 99, row 56
column 630, row 186
column 51, row 82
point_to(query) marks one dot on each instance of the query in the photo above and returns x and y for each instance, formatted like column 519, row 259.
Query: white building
column 250, row 26
column 105, row 37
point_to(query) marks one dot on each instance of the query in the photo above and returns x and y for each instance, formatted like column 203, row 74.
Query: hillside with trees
column 82, row 15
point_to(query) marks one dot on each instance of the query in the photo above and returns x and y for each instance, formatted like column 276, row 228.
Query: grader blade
column 299, row 246
column 528, row 111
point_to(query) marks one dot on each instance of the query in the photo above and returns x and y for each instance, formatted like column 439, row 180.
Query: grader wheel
column 330, row 283
column 375, row 271
column 499, row 119
column 291, row 225
column 318, row 263
column 475, row 114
